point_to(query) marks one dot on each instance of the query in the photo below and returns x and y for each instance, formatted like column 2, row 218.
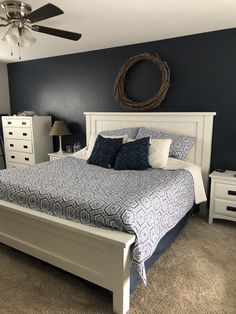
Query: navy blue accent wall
column 203, row 78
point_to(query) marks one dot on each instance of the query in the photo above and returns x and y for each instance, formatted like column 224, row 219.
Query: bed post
column 120, row 263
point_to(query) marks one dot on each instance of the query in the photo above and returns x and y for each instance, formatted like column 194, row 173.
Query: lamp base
column 60, row 145
column 60, row 151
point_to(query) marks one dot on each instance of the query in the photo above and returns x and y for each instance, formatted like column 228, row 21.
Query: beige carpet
column 196, row 275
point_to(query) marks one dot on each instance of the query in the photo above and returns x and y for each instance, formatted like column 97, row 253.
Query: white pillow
column 93, row 138
column 159, row 152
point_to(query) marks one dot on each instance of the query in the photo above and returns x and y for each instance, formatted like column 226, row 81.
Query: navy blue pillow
column 133, row 155
column 105, row 151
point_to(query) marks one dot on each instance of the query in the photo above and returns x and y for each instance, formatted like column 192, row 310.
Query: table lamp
column 59, row 128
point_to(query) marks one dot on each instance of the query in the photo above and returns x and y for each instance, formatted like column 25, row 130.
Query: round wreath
column 154, row 102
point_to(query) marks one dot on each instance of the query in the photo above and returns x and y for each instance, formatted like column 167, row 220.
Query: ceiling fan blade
column 45, row 12
column 56, row 32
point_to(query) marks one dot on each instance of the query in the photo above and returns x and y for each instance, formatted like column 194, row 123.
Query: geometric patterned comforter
column 145, row 203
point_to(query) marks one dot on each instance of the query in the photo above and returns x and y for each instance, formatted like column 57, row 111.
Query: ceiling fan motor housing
column 15, row 9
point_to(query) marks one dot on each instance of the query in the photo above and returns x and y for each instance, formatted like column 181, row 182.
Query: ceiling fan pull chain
column 11, row 49
column 19, row 51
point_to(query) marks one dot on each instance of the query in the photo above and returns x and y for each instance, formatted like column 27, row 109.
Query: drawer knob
column 26, row 158
column 9, row 122
column 13, row 157
column 25, row 146
column 232, row 209
column 232, row 192
column 11, row 145
column 24, row 134
column 23, row 123
column 10, row 133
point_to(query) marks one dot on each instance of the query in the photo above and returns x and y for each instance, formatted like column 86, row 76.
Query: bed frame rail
column 98, row 255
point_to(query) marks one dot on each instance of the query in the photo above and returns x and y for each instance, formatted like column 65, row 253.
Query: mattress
column 144, row 203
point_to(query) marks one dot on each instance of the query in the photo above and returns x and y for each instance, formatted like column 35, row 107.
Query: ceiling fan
column 19, row 17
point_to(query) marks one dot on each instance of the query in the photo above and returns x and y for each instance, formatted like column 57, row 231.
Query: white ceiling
column 110, row 23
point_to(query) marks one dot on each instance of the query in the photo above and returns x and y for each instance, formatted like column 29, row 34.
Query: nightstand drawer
column 59, row 155
column 225, row 207
column 21, row 158
column 18, row 145
column 225, row 191
column 55, row 158
column 18, row 133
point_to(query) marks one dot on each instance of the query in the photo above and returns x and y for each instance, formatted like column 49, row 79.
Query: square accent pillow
column 133, row 155
column 159, row 152
column 180, row 146
column 93, row 138
column 105, row 151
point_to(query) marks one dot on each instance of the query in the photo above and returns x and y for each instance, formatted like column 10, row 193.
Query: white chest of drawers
column 223, row 196
column 26, row 140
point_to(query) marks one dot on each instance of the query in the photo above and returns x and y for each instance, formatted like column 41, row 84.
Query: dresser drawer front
column 14, row 165
column 18, row 145
column 18, row 133
column 22, row 122
column 21, row 158
column 226, row 191
column 224, row 207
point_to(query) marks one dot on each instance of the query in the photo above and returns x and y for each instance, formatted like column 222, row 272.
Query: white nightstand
column 223, row 195
column 55, row 156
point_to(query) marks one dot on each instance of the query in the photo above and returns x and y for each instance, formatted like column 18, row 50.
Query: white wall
column 4, row 90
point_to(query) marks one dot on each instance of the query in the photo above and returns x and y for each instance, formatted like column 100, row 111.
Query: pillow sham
column 105, row 151
column 133, row 155
column 130, row 132
column 180, row 146
column 93, row 138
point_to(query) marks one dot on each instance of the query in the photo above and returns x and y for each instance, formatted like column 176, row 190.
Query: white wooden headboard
column 197, row 124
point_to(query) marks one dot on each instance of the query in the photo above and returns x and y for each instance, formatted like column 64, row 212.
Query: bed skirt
column 164, row 243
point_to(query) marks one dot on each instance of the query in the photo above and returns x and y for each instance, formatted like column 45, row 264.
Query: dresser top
column 24, row 117
column 228, row 175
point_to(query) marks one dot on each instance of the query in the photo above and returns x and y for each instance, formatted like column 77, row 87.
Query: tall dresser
column 26, row 140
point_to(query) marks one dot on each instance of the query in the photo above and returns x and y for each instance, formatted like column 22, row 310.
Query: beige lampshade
column 59, row 128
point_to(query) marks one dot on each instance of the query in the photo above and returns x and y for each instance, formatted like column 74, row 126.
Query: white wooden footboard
column 100, row 256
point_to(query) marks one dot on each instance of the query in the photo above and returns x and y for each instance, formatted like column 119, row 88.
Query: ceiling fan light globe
column 11, row 36
column 26, row 38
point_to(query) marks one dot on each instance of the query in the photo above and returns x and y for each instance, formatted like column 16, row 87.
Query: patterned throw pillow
column 105, row 151
column 133, row 155
column 131, row 132
column 181, row 144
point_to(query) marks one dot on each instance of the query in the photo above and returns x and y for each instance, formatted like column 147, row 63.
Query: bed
column 99, row 255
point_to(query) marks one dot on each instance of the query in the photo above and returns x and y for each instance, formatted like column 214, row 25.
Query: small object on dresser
column 220, row 170
column 69, row 149
column 26, row 113
column 76, row 147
